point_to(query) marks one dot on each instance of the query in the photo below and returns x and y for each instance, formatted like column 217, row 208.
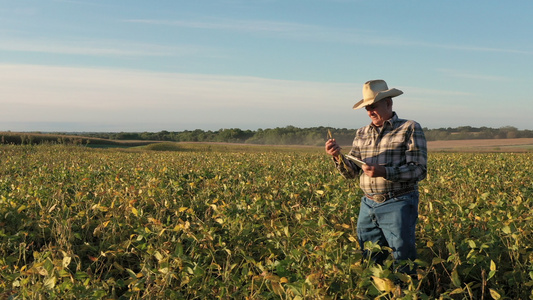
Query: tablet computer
column 356, row 160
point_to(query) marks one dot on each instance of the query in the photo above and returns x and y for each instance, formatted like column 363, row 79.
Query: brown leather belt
column 380, row 198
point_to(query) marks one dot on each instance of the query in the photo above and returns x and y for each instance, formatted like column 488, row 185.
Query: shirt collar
column 390, row 121
column 393, row 119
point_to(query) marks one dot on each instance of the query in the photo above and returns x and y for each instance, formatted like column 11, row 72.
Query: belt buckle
column 379, row 198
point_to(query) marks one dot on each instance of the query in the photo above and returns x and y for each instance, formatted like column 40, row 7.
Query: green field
column 241, row 222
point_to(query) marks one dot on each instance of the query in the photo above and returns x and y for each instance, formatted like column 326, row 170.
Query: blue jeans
column 391, row 223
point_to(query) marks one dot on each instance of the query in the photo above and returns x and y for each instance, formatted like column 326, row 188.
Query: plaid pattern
column 399, row 145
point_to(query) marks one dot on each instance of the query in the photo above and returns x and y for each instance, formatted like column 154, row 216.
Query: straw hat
column 375, row 90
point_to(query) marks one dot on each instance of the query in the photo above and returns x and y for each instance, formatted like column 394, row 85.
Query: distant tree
column 127, row 136
column 303, row 136
column 509, row 132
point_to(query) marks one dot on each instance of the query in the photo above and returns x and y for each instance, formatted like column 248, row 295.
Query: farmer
column 395, row 155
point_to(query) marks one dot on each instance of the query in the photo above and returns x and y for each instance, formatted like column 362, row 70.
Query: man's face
column 380, row 111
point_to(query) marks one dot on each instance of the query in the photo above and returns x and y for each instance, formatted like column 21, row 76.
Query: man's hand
column 332, row 148
column 373, row 170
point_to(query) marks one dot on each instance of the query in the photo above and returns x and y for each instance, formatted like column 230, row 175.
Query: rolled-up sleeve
column 346, row 168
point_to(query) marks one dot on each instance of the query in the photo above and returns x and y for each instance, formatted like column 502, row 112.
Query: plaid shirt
column 399, row 145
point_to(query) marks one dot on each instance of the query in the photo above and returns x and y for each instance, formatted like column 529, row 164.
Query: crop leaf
column 492, row 269
column 383, row 284
column 50, row 282
column 455, row 278
column 495, row 295
column 506, row 229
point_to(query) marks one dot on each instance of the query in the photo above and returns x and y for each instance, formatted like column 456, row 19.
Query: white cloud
column 129, row 100
column 31, row 93
column 287, row 30
column 231, row 24
column 317, row 33
column 478, row 48
column 115, row 48
column 469, row 75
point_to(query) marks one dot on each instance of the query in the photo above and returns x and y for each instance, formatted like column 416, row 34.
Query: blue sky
column 108, row 65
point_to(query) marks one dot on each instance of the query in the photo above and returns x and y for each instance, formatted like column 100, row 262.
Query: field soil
column 485, row 145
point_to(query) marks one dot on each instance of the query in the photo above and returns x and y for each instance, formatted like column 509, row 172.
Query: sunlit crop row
column 86, row 223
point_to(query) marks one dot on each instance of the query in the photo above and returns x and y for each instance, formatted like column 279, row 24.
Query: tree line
column 314, row 136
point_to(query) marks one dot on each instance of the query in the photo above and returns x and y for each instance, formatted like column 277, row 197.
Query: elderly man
column 394, row 153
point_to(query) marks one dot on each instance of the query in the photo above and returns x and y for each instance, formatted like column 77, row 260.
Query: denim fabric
column 391, row 223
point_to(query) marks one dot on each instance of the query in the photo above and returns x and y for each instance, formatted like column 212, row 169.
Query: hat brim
column 379, row 96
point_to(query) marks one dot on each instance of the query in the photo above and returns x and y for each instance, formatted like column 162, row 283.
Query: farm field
column 483, row 145
column 237, row 222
